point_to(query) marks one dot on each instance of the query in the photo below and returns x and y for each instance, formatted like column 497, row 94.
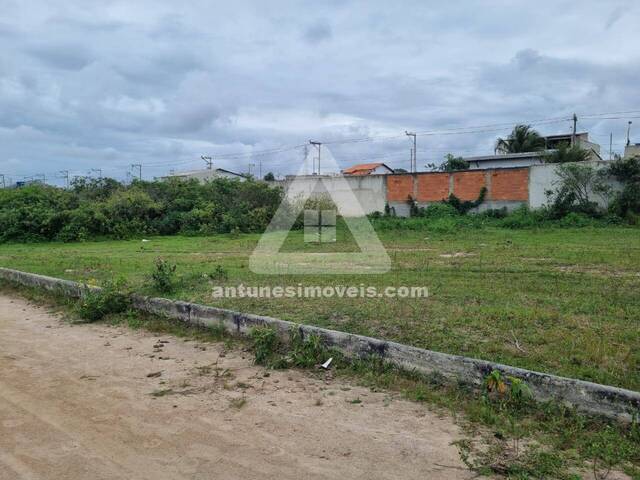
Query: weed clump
column 219, row 273
column 299, row 352
column 163, row 276
column 96, row 304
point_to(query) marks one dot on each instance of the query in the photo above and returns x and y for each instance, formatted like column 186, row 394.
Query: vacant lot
column 565, row 301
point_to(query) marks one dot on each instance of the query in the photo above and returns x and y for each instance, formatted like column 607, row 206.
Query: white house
column 527, row 159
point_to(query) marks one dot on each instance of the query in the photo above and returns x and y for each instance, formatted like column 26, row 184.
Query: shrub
column 574, row 219
column 96, row 304
column 439, row 210
column 577, row 182
column 163, row 276
column 303, row 353
column 523, row 217
column 219, row 273
column 626, row 203
column 106, row 208
column 265, row 344
column 306, row 353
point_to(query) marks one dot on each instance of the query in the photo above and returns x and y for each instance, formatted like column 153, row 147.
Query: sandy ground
column 77, row 402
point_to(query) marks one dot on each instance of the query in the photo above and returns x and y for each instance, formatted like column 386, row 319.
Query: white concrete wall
column 369, row 190
column 632, row 150
column 544, row 177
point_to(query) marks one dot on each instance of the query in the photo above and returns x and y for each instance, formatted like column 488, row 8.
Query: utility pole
column 575, row 126
column 611, row 146
column 260, row 168
column 208, row 161
column 251, row 165
column 65, row 174
column 318, row 145
column 3, row 184
column 413, row 151
column 305, row 159
column 96, row 170
column 139, row 167
column 629, row 133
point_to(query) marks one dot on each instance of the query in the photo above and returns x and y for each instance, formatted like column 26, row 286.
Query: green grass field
column 563, row 301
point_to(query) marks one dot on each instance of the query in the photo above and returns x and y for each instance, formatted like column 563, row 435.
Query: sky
column 94, row 87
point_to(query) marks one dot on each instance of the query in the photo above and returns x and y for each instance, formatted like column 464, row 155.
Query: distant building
column 552, row 142
column 582, row 140
column 368, row 169
column 632, row 150
column 505, row 160
column 207, row 174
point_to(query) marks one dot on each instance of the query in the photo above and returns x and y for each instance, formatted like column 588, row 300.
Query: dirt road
column 99, row 402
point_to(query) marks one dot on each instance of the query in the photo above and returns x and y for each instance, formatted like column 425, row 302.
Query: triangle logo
column 267, row 258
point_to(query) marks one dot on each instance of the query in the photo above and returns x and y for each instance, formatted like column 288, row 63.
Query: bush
column 219, row 273
column 439, row 210
column 163, row 276
column 626, row 204
column 574, row 194
column 106, row 208
column 96, row 304
column 298, row 352
column 575, row 219
column 523, row 217
column 265, row 344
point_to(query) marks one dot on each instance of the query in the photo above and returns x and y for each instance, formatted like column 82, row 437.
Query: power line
column 467, row 130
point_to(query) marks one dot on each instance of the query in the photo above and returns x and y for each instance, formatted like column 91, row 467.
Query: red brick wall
column 399, row 187
column 510, row 184
column 433, row 187
column 467, row 185
column 505, row 185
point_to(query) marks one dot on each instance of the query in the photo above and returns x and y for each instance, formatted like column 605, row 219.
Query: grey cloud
column 116, row 83
column 64, row 56
column 615, row 16
column 318, row 32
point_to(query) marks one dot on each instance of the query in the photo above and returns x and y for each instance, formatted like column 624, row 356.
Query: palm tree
column 521, row 139
column 565, row 153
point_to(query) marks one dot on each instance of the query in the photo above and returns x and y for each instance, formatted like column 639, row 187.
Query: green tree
column 453, row 164
column 269, row 177
column 522, row 139
column 627, row 201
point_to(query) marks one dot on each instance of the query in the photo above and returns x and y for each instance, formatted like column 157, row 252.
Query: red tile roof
column 363, row 168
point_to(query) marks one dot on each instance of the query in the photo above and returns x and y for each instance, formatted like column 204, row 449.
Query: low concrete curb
column 589, row 397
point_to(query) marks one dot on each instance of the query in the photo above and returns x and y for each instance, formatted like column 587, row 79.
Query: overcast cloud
column 103, row 85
